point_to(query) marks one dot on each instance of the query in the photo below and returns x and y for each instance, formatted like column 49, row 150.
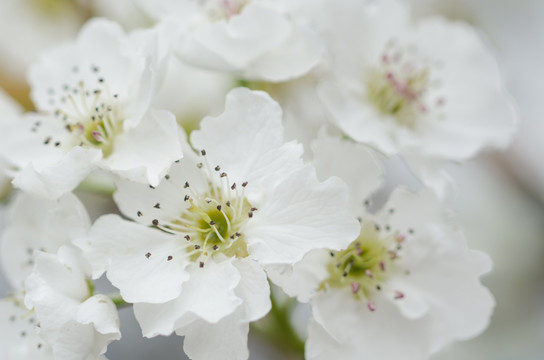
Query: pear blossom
column 408, row 279
column 255, row 39
column 429, row 90
column 75, row 322
column 36, row 223
column 51, row 282
column 193, row 261
column 93, row 98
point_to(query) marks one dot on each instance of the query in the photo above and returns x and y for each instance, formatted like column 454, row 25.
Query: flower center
column 214, row 223
column 214, row 219
column 53, row 7
column 399, row 86
column 366, row 263
column 217, row 10
column 90, row 114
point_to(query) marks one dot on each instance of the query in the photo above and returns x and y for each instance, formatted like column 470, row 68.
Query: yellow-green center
column 364, row 265
column 398, row 95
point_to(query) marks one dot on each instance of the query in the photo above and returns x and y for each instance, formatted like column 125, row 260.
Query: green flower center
column 217, row 224
column 366, row 263
column 214, row 220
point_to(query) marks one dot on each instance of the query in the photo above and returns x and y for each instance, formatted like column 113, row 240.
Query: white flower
column 406, row 288
column 93, row 98
column 20, row 340
column 259, row 40
column 9, row 110
column 429, row 91
column 76, row 323
column 243, row 201
column 73, row 324
column 36, row 223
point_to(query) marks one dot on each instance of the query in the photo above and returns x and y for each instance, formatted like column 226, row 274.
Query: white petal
column 57, row 179
column 136, row 259
column 303, row 49
column 146, row 152
column 298, row 215
column 253, row 289
column 359, row 333
column 207, row 295
column 247, row 139
column 226, row 339
column 351, row 162
column 302, row 279
column 101, row 312
column 357, row 119
column 239, row 41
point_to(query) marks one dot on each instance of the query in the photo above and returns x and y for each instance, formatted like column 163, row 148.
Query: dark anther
column 148, row 255
column 155, row 222
column 217, row 168
column 169, row 258
column 157, row 206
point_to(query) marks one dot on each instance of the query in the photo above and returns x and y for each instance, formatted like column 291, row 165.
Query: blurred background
column 501, row 196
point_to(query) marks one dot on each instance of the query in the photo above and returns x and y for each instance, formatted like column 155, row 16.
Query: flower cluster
column 243, row 143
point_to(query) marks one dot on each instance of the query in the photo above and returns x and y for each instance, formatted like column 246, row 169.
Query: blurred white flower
column 76, row 323
column 9, row 110
column 39, row 224
column 20, row 340
column 256, row 39
column 245, row 201
column 58, row 299
column 93, row 98
column 430, row 91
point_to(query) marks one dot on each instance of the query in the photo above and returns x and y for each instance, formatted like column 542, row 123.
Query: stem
column 118, row 301
column 96, row 187
column 277, row 328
